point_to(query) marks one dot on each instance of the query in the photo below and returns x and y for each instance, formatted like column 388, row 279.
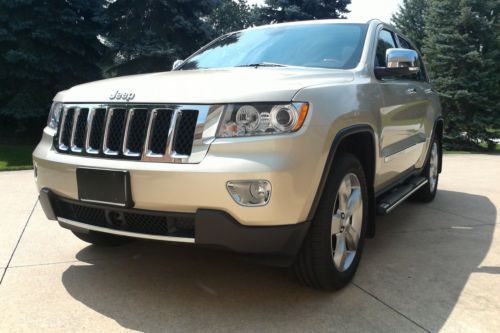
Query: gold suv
column 282, row 140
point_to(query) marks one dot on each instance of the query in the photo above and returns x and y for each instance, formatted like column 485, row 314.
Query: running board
column 394, row 198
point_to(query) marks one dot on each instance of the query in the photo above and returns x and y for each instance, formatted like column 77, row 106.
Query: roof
column 313, row 22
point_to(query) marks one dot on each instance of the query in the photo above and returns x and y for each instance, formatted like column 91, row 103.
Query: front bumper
column 293, row 164
column 205, row 227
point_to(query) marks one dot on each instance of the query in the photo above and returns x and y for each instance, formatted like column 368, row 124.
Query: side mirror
column 177, row 63
column 399, row 62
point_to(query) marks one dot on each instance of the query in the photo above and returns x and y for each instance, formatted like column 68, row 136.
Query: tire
column 102, row 239
column 427, row 193
column 317, row 264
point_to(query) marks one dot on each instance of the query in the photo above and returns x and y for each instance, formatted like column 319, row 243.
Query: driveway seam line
column 441, row 228
column 46, row 264
column 18, row 241
column 392, row 308
column 455, row 214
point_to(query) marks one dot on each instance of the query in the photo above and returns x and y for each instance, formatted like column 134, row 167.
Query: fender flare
column 342, row 134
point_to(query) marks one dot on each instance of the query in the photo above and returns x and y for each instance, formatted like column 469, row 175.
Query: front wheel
column 332, row 248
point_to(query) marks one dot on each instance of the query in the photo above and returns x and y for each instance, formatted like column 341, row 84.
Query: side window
column 420, row 76
column 404, row 43
column 385, row 41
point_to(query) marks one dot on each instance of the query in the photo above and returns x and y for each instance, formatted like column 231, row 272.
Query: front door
column 402, row 116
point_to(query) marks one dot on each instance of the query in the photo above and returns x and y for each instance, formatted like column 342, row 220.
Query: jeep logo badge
column 122, row 96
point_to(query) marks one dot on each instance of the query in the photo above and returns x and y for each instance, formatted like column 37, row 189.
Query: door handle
column 411, row 91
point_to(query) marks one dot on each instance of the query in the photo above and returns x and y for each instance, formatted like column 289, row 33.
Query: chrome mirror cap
column 400, row 62
column 402, row 58
column 176, row 64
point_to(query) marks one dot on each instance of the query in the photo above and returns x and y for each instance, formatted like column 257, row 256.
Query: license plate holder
column 111, row 187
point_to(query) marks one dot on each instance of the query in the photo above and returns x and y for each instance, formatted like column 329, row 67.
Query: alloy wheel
column 347, row 220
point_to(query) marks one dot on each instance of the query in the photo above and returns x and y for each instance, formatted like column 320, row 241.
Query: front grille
column 130, row 220
column 154, row 133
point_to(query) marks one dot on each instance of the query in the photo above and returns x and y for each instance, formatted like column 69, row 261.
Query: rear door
column 402, row 117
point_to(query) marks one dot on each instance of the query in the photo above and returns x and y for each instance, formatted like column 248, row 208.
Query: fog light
column 250, row 192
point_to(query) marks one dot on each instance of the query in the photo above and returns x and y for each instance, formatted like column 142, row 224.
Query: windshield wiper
column 263, row 64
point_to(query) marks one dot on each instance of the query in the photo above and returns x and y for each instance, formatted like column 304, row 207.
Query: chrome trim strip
column 125, row 233
column 397, row 203
column 62, row 146
column 403, row 152
column 103, row 202
column 76, row 116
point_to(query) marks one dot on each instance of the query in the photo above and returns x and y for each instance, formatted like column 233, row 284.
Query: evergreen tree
column 275, row 11
column 231, row 15
column 45, row 47
column 462, row 50
column 410, row 20
column 148, row 35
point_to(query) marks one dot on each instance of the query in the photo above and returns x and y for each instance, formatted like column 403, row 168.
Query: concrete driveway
column 433, row 267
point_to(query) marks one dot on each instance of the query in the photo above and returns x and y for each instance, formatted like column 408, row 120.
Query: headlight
column 54, row 115
column 262, row 119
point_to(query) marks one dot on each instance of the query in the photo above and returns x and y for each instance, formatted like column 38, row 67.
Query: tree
column 462, row 50
column 410, row 20
column 275, row 11
column 148, row 35
column 45, row 47
column 230, row 15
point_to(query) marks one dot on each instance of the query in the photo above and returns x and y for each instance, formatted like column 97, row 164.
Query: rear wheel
column 427, row 193
column 332, row 248
column 102, row 239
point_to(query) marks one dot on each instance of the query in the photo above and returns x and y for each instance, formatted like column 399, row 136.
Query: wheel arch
column 348, row 140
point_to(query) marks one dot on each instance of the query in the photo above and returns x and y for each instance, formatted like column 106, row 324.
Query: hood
column 211, row 86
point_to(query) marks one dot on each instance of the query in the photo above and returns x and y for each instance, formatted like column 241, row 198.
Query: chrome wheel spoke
column 344, row 192
column 340, row 253
column 352, row 239
column 354, row 200
column 336, row 224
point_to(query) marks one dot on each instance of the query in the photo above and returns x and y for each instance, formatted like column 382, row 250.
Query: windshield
column 309, row 45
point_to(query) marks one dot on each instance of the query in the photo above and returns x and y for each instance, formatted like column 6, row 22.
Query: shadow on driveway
column 417, row 265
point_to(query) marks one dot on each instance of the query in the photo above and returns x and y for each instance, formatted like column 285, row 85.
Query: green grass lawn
column 15, row 157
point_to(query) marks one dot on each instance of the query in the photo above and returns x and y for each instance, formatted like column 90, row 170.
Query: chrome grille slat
column 90, row 121
column 125, row 150
column 105, row 149
column 73, row 147
column 147, row 151
column 174, row 122
column 126, row 131
column 60, row 144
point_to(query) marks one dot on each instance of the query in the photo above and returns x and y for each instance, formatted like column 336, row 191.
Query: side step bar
column 394, row 198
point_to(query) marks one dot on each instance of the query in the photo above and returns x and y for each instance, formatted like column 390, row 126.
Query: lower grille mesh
column 137, row 221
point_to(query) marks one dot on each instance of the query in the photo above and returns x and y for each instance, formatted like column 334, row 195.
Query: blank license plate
column 104, row 186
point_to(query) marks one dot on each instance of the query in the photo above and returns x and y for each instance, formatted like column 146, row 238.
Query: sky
column 366, row 9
